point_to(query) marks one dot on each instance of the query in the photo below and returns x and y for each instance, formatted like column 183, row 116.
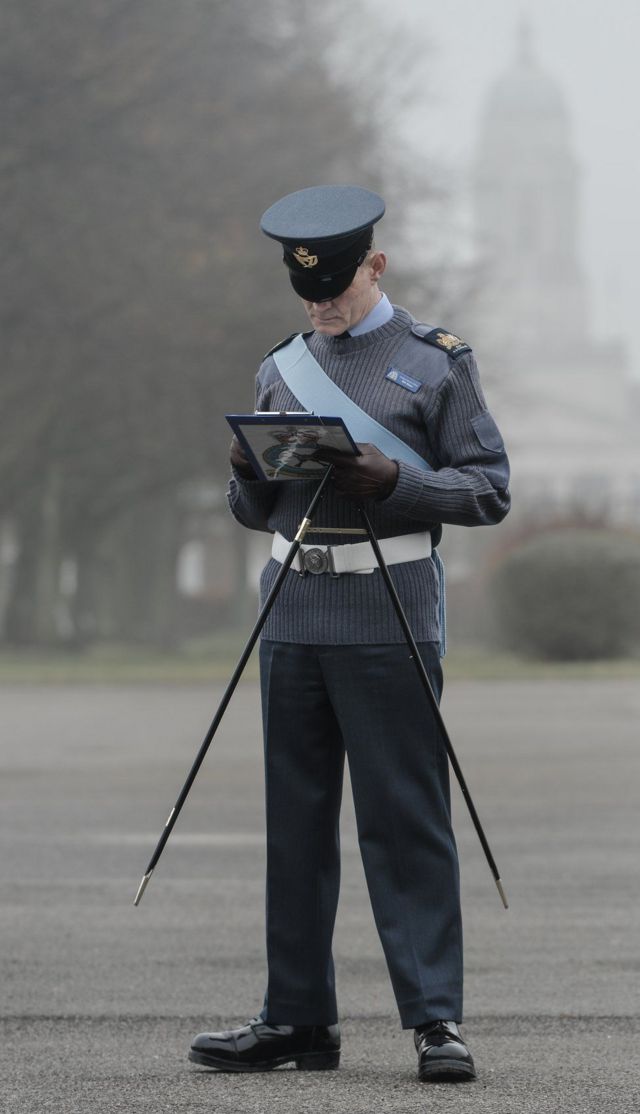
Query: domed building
column 565, row 399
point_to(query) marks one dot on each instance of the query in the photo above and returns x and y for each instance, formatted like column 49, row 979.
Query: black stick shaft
column 230, row 689
column 424, row 677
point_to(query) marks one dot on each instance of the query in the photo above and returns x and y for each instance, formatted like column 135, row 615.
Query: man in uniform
column 335, row 671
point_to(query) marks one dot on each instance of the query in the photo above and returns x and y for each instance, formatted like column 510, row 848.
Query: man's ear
column 378, row 264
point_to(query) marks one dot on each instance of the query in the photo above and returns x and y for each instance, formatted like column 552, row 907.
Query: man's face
column 340, row 314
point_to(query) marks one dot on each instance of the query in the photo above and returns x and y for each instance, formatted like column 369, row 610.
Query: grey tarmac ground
column 99, row 999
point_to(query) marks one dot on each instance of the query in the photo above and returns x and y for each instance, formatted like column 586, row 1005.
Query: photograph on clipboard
column 284, row 446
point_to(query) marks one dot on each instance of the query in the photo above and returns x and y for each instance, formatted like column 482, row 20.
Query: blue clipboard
column 283, row 446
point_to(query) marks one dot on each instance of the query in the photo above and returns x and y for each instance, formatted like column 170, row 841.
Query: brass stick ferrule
column 502, row 893
column 142, row 887
column 302, row 529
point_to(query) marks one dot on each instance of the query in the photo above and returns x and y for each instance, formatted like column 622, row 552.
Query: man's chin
column 329, row 328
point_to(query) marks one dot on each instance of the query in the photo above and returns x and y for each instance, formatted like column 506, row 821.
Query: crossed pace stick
column 304, row 527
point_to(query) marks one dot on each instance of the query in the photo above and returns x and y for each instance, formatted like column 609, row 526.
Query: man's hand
column 372, row 475
column 240, row 461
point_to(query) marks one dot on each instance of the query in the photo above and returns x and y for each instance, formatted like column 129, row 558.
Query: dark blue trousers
column 318, row 703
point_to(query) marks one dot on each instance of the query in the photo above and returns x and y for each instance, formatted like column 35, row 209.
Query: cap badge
column 304, row 259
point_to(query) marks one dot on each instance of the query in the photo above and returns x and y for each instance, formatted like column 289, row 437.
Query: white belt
column 357, row 558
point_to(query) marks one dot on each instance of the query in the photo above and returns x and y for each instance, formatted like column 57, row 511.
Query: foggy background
column 141, row 143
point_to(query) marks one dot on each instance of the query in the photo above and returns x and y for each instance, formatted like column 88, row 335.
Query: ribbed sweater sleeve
column 469, row 486
column 251, row 501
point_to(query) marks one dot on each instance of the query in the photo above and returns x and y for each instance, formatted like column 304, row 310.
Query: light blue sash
column 311, row 385
column 313, row 388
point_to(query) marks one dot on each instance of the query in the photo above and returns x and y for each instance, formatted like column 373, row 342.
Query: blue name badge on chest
column 403, row 380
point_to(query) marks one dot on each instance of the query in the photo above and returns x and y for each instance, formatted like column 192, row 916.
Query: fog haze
column 141, row 143
column 591, row 51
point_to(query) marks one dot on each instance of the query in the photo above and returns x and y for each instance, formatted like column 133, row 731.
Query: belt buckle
column 314, row 561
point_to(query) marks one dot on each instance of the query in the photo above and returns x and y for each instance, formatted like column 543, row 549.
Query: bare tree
column 142, row 142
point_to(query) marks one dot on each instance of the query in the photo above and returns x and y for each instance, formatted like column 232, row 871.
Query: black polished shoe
column 258, row 1046
column 443, row 1057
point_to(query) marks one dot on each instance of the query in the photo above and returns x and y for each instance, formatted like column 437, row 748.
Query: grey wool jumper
column 437, row 407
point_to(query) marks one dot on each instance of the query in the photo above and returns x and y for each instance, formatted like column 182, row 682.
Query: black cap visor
column 322, row 288
column 321, row 270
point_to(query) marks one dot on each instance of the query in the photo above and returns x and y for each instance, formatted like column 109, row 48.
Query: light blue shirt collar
column 379, row 315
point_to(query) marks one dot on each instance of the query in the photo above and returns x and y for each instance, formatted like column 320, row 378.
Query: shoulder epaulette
column 449, row 343
column 279, row 345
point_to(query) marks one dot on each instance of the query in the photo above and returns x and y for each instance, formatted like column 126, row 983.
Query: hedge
column 570, row 594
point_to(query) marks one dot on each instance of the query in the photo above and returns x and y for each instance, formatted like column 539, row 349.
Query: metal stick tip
column 142, row 887
column 502, row 893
